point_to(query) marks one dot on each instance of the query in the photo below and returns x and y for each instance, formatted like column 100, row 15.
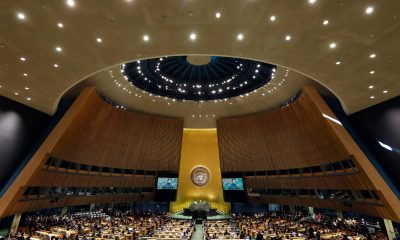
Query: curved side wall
column 93, row 133
column 300, row 136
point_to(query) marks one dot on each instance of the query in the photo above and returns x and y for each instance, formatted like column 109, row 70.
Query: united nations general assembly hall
column 199, row 119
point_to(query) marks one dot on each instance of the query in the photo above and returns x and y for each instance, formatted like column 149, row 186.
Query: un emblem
column 200, row 176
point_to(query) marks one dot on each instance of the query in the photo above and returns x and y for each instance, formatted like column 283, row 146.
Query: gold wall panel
column 200, row 148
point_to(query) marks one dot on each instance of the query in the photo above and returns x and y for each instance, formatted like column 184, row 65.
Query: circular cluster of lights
column 175, row 77
column 127, row 87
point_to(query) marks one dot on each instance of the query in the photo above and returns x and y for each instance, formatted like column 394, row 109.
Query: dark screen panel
column 167, row 183
column 236, row 195
column 20, row 127
column 165, row 195
column 379, row 129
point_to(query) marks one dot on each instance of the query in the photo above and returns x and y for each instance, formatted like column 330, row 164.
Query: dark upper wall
column 381, row 123
column 20, row 127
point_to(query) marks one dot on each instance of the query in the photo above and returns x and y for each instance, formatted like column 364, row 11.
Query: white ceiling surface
column 121, row 25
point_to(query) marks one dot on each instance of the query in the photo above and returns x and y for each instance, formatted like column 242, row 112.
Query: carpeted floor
column 198, row 234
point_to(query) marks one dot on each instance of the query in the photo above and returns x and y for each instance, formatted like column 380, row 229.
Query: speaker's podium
column 199, row 210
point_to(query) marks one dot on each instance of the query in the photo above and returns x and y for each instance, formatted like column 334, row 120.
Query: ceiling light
column 332, row 45
column 99, row 40
column 21, row 16
column 26, row 88
column 22, row 59
column 338, row 63
column 218, row 15
column 58, row 49
column 325, row 22
column 372, row 55
column 16, row 93
column 240, row 36
column 385, row 146
column 25, row 74
column 372, row 72
column 193, row 36
column 146, row 38
column 60, row 25
column 28, row 98
column 369, row 10
column 312, row 1
column 370, row 86
column 372, row 97
column 288, row 37
column 71, row 3
column 385, row 91
column 55, row 65
column 272, row 18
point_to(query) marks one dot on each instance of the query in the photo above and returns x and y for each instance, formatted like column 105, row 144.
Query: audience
column 174, row 229
column 113, row 224
column 131, row 225
column 297, row 226
column 220, row 230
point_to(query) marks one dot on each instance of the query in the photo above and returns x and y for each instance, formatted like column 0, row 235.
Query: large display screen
column 232, row 184
column 165, row 183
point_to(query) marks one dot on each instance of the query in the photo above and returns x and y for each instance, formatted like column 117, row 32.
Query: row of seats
column 220, row 230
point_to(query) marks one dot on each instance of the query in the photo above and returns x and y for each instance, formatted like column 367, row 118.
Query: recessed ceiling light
column 372, row 97
column 60, row 25
column 26, row 88
column 58, row 49
column 22, row 59
column 369, row 10
column 240, row 36
column 55, row 65
column 25, row 74
column 99, row 40
column 21, row 16
column 332, row 45
column 288, row 37
column 71, row 3
column 372, row 55
column 312, row 1
column 16, row 93
column 370, row 86
column 146, row 38
column 192, row 36
column 325, row 22
column 372, row 72
column 272, row 18
column 385, row 91
column 218, row 15
column 338, row 63
column 28, row 98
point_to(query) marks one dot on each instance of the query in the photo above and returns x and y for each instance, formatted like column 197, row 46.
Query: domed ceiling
column 198, row 77
column 349, row 47
column 134, row 87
